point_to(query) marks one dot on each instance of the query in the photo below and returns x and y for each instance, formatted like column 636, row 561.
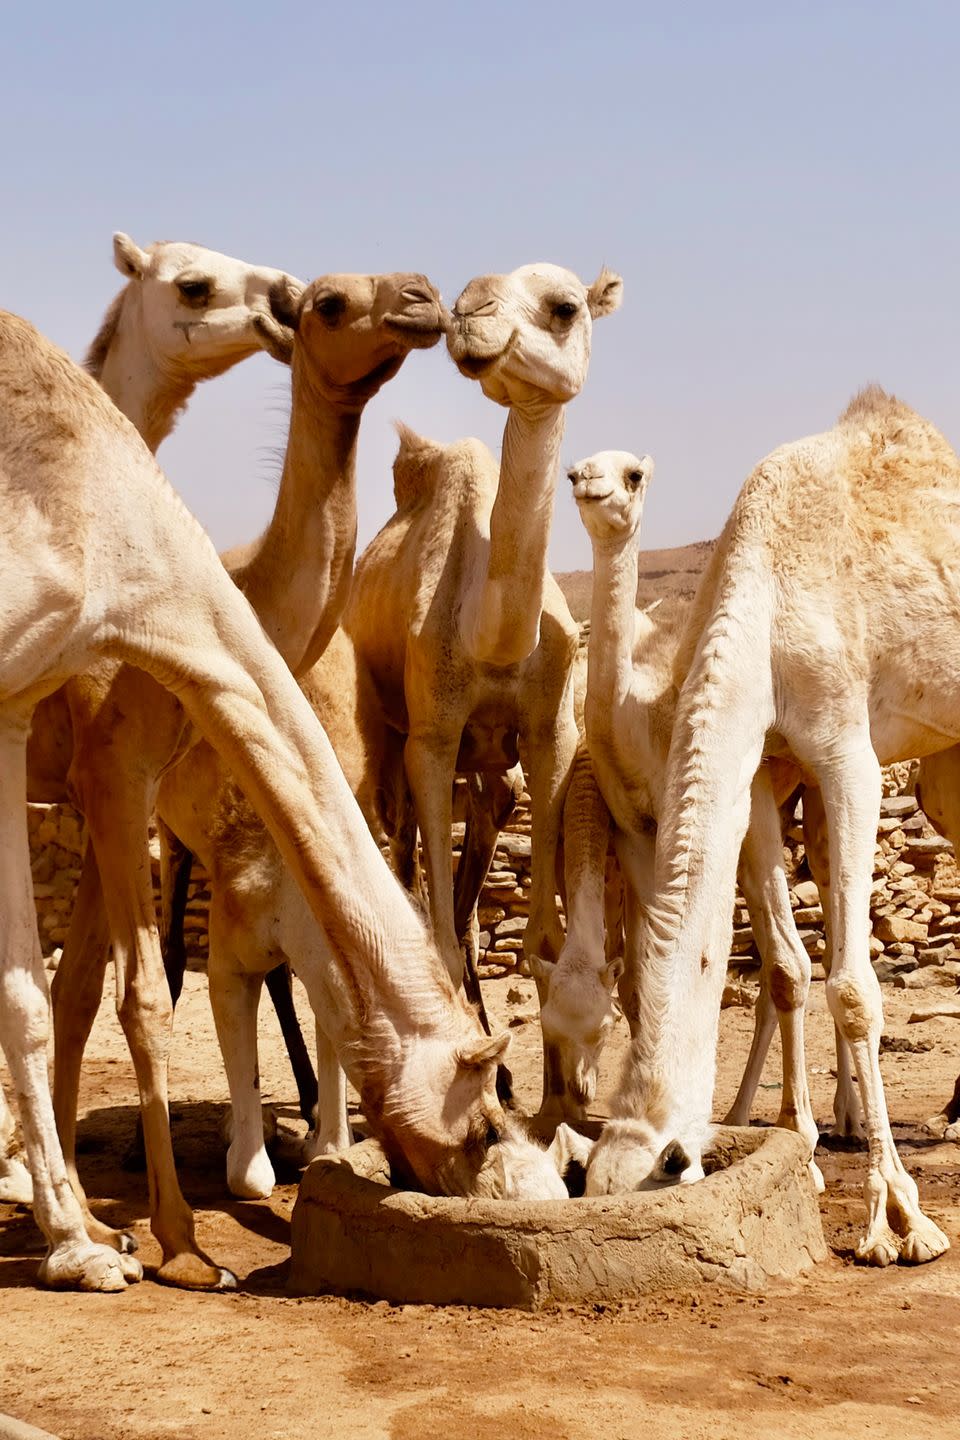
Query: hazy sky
column 777, row 183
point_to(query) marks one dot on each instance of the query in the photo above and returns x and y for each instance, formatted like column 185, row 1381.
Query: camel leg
column 16, row 1187
column 786, row 964
column 430, row 767
column 331, row 1134
column 492, row 799
column 176, row 864
column 548, row 767
column 117, row 822
column 235, row 999
column 896, row 1226
column 72, row 1259
column 280, row 989
column 77, row 991
column 764, row 1025
column 847, row 1111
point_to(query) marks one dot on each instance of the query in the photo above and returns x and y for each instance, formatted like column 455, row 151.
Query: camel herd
column 288, row 716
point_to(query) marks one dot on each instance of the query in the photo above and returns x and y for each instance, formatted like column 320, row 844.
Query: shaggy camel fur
column 76, row 478
column 185, row 315
column 352, row 334
column 830, row 589
column 476, row 662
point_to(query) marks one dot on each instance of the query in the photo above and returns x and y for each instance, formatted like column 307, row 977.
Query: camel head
column 610, row 489
column 353, row 332
column 526, row 336
column 447, row 1132
column 633, row 1155
column 201, row 311
column 578, row 1011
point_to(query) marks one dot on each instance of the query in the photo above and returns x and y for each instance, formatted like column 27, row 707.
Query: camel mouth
column 476, row 366
column 591, row 497
column 422, row 331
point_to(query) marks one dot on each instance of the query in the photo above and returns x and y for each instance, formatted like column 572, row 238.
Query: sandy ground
column 846, row 1351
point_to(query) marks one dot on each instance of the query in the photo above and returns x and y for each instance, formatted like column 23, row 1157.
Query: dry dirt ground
column 846, row 1351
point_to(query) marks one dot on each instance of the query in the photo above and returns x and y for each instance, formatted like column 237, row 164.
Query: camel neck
column 296, row 576
column 726, row 708
column 501, row 624
column 613, row 609
column 150, row 395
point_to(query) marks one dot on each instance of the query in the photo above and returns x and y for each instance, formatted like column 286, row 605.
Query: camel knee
column 855, row 1005
column 145, row 1010
column 24, row 1011
column 790, row 982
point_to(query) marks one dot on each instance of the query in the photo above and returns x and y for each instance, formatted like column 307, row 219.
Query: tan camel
column 352, row 334
column 831, row 588
column 95, row 534
column 477, row 657
column 186, row 314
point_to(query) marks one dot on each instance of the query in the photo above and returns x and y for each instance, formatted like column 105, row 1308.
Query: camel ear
column 612, row 973
column 129, row 259
column 605, row 294
column 568, row 1145
column 485, row 1050
column 286, row 301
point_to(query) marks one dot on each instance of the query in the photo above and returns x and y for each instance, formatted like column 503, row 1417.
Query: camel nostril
column 417, row 295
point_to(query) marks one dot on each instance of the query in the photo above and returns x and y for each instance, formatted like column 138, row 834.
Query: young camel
column 629, row 715
column 94, row 534
column 476, row 662
column 186, row 315
column 352, row 335
column 829, row 591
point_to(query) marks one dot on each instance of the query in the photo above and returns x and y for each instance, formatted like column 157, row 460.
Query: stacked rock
column 915, row 903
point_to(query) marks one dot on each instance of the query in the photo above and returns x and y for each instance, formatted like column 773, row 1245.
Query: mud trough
column 754, row 1218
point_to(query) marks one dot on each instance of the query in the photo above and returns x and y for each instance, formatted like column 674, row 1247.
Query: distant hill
column 661, row 572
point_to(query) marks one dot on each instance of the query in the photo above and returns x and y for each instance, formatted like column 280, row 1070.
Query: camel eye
column 565, row 310
column 329, row 307
column 195, row 292
column 635, row 478
column 492, row 1136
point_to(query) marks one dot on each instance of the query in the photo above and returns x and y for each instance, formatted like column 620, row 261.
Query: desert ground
column 844, row 1351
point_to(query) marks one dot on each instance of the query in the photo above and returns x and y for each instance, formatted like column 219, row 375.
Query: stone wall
column 915, row 902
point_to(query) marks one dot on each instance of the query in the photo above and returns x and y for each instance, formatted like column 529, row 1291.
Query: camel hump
column 414, row 472
column 873, row 403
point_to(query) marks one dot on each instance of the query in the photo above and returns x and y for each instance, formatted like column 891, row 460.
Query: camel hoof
column 952, row 1132
column 16, row 1184
column 920, row 1246
column 95, row 1268
column 192, row 1272
column 816, row 1175
column 937, row 1126
column 253, row 1180
column 881, row 1251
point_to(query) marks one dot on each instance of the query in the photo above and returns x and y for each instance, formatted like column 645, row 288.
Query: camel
column 186, row 314
column 476, row 663
column 93, row 536
column 629, row 714
column 352, row 333
column 830, row 589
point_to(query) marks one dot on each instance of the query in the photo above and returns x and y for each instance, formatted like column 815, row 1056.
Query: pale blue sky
column 777, row 183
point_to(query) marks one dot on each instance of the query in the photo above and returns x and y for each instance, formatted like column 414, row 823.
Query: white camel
column 830, row 589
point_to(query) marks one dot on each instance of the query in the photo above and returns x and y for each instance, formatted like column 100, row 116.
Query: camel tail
column 414, row 473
